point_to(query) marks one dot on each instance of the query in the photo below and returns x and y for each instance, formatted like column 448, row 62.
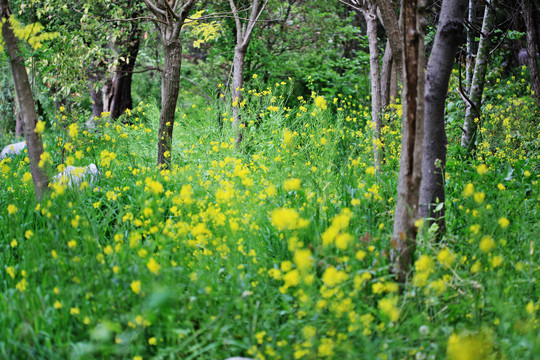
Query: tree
column 439, row 68
column 25, row 101
column 532, row 47
column 474, row 100
column 169, row 19
column 380, row 83
column 244, row 30
column 410, row 166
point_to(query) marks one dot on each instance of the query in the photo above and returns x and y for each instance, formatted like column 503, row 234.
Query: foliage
column 277, row 249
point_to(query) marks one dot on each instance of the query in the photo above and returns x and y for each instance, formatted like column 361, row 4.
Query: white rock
column 74, row 176
column 13, row 149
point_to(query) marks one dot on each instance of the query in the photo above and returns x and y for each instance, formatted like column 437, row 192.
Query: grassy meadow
column 273, row 249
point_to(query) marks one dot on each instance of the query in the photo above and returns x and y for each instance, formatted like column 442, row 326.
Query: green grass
column 198, row 262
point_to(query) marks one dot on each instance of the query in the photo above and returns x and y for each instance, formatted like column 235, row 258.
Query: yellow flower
column 529, row 308
column 487, row 243
column 479, row 197
column 291, row 184
column 469, row 190
column 503, row 222
column 445, row 257
column 287, row 219
column 153, row 266
column 320, row 102
column 74, row 311
column 57, row 305
column 370, row 170
column 482, row 169
column 424, row 264
column 40, row 126
column 303, row 259
column 152, row 341
column 496, row 261
column 326, row 348
column 22, row 285
column 527, row 173
column 469, row 347
column 501, row 187
column 12, row 209
column 333, row 277
column 388, row 307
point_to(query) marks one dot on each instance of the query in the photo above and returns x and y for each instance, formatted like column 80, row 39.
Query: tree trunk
column 374, row 72
column 439, row 69
column 97, row 101
column 410, row 166
column 394, row 92
column 170, row 86
column 121, row 84
column 532, row 48
column 386, row 76
column 26, row 103
column 392, row 27
column 470, row 47
column 473, row 111
column 237, row 82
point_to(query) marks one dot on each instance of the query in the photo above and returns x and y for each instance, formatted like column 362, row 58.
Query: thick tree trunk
column 438, row 72
column 26, row 103
column 532, row 48
column 237, row 82
column 386, row 75
column 410, row 167
column 121, row 83
column 170, row 86
column 375, row 74
column 473, row 111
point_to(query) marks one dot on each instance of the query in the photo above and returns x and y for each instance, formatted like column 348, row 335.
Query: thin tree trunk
column 392, row 27
column 438, row 72
column 473, row 111
column 244, row 32
column 169, row 21
column 97, row 101
column 394, row 80
column 470, row 47
column 237, row 82
column 170, row 86
column 532, row 48
column 375, row 76
column 26, row 103
column 386, row 75
column 410, row 167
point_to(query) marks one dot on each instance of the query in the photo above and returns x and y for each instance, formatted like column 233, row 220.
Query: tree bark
column 473, row 111
column 532, row 48
column 244, row 31
column 121, row 83
column 25, row 100
column 169, row 21
column 392, row 27
column 370, row 14
column 470, row 47
column 170, row 86
column 386, row 75
column 237, row 82
column 439, row 69
column 410, row 167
